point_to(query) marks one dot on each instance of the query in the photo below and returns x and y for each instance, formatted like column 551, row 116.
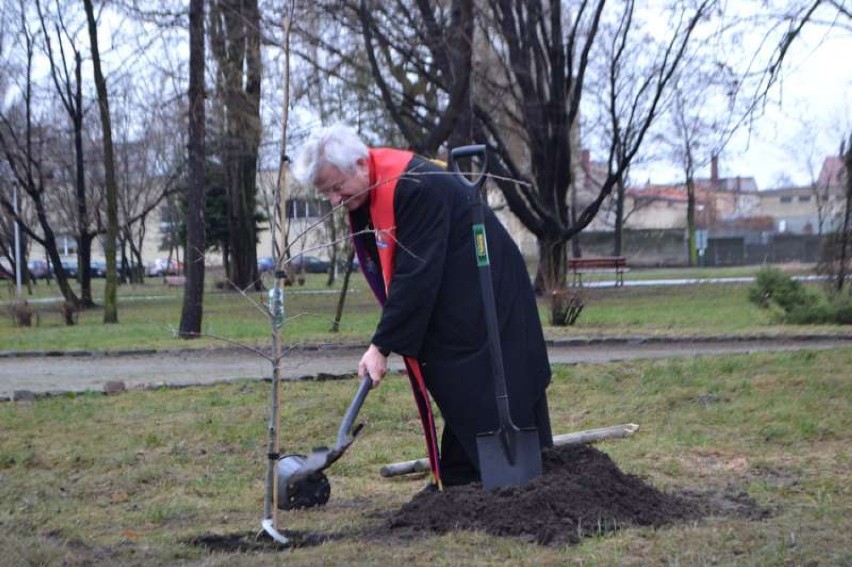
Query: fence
column 668, row 247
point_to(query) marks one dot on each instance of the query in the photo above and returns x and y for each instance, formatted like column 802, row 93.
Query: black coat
column 434, row 309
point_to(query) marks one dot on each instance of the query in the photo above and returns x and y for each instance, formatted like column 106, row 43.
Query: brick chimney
column 714, row 170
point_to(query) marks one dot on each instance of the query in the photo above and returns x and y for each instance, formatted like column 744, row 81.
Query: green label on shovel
column 480, row 244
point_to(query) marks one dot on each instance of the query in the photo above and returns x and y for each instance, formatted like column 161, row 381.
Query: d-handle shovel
column 294, row 469
column 510, row 456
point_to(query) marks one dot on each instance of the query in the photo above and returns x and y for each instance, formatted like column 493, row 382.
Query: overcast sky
column 809, row 112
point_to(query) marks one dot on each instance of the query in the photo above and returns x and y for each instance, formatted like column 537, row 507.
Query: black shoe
column 430, row 488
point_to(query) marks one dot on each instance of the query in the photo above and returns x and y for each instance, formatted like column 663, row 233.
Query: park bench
column 174, row 281
column 600, row 265
column 25, row 315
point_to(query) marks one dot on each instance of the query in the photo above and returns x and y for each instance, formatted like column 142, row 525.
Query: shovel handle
column 345, row 430
column 469, row 151
column 485, row 282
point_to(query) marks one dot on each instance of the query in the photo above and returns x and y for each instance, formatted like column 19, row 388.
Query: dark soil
column 581, row 493
column 255, row 541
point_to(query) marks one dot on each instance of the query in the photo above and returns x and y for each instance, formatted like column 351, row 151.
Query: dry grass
column 127, row 479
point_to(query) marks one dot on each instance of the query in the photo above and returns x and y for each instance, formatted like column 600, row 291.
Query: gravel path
column 78, row 372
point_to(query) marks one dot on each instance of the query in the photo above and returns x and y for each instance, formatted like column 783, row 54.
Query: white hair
column 338, row 144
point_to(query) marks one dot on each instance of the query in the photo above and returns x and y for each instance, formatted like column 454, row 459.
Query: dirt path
column 91, row 371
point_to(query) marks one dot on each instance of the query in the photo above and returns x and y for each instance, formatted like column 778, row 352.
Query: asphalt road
column 80, row 372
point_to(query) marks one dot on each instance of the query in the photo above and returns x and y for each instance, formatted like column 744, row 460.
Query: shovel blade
column 508, row 457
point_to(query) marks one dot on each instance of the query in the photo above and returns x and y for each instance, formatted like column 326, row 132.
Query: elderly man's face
column 338, row 186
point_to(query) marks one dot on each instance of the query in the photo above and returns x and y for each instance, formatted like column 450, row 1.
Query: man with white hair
column 411, row 223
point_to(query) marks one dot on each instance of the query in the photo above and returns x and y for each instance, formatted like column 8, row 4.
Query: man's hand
column 373, row 363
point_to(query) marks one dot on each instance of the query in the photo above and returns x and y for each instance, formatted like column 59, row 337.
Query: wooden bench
column 599, row 265
column 174, row 281
column 25, row 315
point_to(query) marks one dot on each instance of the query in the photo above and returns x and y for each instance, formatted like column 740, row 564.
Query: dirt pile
column 580, row 493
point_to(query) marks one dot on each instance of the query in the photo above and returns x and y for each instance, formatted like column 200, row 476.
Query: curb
column 554, row 342
column 172, row 351
column 639, row 340
column 119, row 387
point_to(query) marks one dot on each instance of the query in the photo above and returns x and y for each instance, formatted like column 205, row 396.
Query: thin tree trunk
column 690, row 221
column 84, row 262
column 618, row 246
column 84, row 237
column 341, row 301
column 332, row 265
column 847, row 220
column 110, row 299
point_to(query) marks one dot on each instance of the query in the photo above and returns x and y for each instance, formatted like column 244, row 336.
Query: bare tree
column 788, row 19
column 149, row 166
column 547, row 64
column 411, row 61
column 65, row 62
column 235, row 44
column 24, row 142
column 153, row 122
column 110, row 299
column 614, row 69
column 527, row 94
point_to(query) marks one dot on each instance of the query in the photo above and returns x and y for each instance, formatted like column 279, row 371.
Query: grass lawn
column 127, row 479
column 149, row 315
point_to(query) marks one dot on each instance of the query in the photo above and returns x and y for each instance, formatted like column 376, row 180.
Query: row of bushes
column 795, row 303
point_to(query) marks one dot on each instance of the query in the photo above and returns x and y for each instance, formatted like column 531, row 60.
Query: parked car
column 97, row 268
column 309, row 264
column 127, row 271
column 341, row 265
column 70, row 267
column 265, row 264
column 161, row 266
column 39, row 268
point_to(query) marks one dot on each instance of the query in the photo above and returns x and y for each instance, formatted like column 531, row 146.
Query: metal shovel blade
column 322, row 457
column 508, row 457
column 313, row 490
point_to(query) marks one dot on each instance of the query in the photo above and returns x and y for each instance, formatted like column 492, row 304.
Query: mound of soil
column 580, row 493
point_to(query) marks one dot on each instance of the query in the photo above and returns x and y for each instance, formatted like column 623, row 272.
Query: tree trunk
column 847, row 221
column 552, row 265
column 690, row 221
column 110, row 299
column 242, row 233
column 576, row 248
column 618, row 245
column 235, row 44
column 193, row 297
column 84, row 272
column 341, row 301
column 53, row 253
column 332, row 265
column 84, row 236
